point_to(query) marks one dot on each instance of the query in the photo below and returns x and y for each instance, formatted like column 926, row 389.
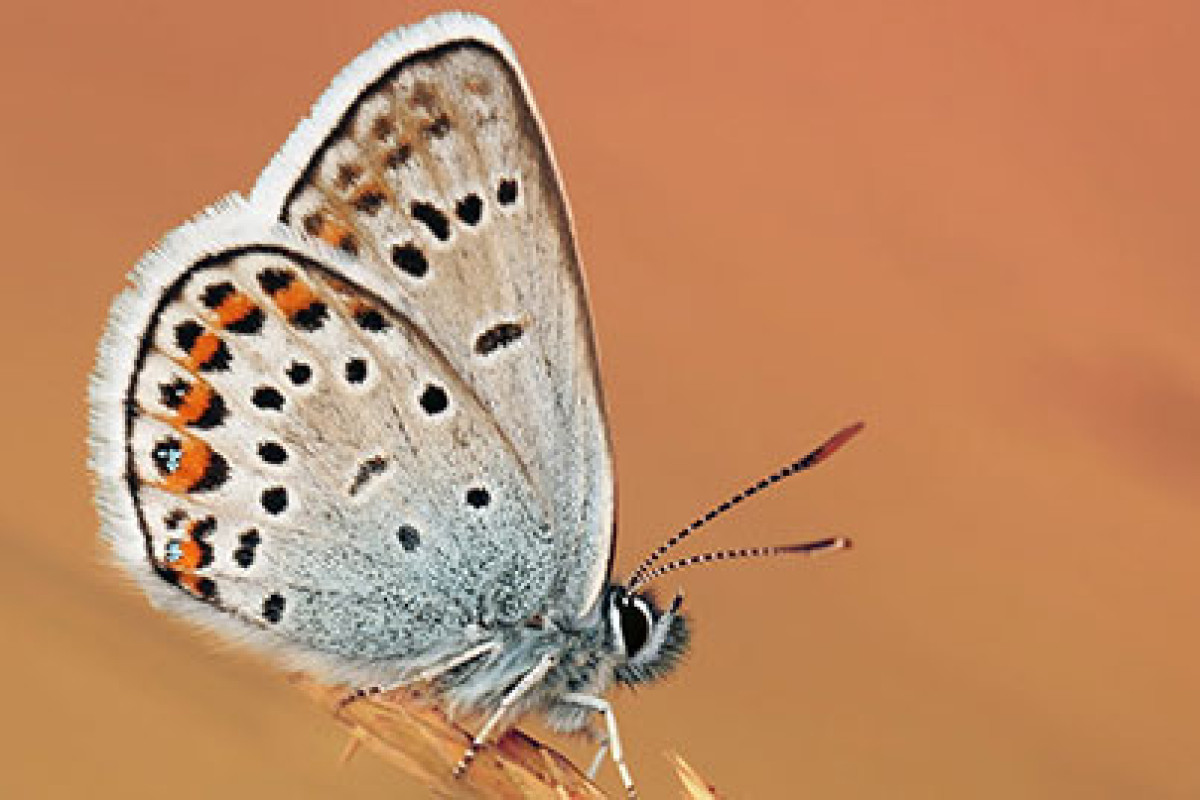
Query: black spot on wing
column 274, row 500
column 272, row 452
column 506, row 192
column 299, row 373
column 356, row 370
column 409, row 538
column 501, row 335
column 267, row 398
column 369, row 319
column 216, row 293
column 248, row 542
column 186, row 334
column 434, row 399
column 275, row 280
column 368, row 469
column 432, row 218
column 469, row 209
column 311, row 317
column 273, row 607
column 206, row 588
column 410, row 260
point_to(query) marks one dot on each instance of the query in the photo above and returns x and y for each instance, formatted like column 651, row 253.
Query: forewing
column 282, row 451
column 426, row 161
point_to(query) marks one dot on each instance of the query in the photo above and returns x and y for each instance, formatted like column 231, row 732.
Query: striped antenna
column 823, row 452
column 803, row 549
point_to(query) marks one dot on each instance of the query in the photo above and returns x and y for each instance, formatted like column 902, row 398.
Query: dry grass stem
column 694, row 787
column 414, row 735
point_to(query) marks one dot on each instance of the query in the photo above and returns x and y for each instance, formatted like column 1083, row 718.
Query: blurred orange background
column 973, row 225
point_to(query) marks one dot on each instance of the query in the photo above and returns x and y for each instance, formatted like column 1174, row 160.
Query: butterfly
column 355, row 420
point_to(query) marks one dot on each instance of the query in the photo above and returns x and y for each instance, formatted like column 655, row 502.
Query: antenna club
column 815, row 548
column 835, row 442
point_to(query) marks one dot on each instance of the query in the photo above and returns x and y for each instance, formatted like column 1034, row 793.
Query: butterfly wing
column 426, row 161
column 284, row 455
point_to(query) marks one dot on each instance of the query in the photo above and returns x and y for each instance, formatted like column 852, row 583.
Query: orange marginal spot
column 204, row 348
column 234, row 308
column 333, row 232
column 190, row 555
column 195, row 402
column 294, row 297
column 193, row 463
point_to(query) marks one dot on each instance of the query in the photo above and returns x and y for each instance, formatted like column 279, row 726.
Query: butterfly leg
column 425, row 675
column 531, row 679
column 613, row 740
column 595, row 767
column 436, row 671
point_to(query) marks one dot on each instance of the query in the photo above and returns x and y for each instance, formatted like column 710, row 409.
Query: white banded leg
column 438, row 670
column 427, row 674
column 531, row 679
column 600, row 751
column 614, row 739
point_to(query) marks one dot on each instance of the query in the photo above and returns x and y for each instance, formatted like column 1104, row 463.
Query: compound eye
column 635, row 625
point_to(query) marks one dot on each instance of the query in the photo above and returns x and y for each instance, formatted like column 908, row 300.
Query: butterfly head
column 649, row 640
